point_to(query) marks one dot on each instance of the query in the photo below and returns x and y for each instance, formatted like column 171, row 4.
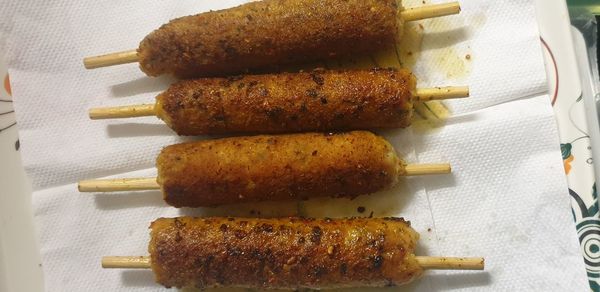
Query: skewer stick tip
column 430, row 11
column 110, row 59
column 441, row 93
column 427, row 169
column 449, row 263
column 121, row 112
column 127, row 262
column 118, row 185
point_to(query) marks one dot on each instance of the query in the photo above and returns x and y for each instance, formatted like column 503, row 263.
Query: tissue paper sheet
column 506, row 199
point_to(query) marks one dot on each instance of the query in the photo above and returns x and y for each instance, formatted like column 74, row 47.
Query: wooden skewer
column 120, row 112
column 143, row 110
column 118, row 185
column 409, row 14
column 150, row 183
column 441, row 93
column 112, row 59
column 437, row 263
column 447, row 263
column 122, row 262
column 427, row 169
column 430, row 11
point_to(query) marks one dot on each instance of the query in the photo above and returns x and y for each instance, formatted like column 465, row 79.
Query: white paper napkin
column 506, row 201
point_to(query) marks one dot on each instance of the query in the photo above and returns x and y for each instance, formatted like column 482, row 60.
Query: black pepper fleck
column 178, row 223
column 320, row 271
column 317, row 78
column 315, row 236
column 303, row 108
column 378, row 262
column 239, row 234
column 274, row 112
column 312, row 93
column 219, row 117
column 268, row 228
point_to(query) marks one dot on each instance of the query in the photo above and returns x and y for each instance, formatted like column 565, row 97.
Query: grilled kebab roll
column 266, row 34
column 290, row 102
column 280, row 167
column 288, row 253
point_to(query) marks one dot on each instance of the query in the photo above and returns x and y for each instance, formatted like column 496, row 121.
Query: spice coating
column 321, row 100
column 266, row 34
column 278, row 167
column 279, row 253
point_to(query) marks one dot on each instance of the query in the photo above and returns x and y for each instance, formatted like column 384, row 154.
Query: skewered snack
column 265, row 34
column 287, row 253
column 321, row 100
column 271, row 168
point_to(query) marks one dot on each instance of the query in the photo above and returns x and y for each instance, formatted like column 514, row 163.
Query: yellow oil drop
column 452, row 64
column 430, row 116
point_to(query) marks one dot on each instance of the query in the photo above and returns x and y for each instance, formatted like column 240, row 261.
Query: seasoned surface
column 287, row 253
column 266, row 34
column 321, row 100
column 280, row 167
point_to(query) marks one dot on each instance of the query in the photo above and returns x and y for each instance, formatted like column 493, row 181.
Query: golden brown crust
column 288, row 253
column 280, row 167
column 267, row 34
column 321, row 100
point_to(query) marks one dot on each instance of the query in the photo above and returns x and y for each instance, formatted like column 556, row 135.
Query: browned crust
column 287, row 253
column 321, row 100
column 280, row 167
column 267, row 34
